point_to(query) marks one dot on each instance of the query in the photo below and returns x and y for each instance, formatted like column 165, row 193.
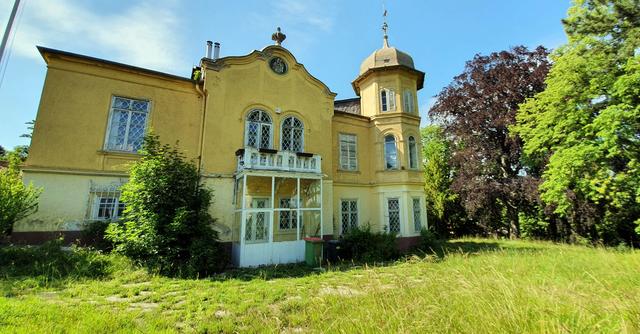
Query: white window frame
column 399, row 211
column 115, row 207
column 417, row 213
column 351, row 163
column 349, row 212
column 390, row 98
column 386, row 152
column 112, row 110
column 413, row 163
column 266, row 217
column 291, row 134
column 259, row 133
column 408, row 101
column 292, row 209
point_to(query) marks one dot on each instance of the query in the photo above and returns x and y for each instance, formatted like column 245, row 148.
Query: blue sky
column 330, row 37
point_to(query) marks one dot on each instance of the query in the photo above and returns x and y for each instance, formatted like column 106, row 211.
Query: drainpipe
column 204, row 95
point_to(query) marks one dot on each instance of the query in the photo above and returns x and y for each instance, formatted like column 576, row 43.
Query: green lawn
column 484, row 286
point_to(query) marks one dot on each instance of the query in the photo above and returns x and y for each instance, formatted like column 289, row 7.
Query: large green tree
column 444, row 213
column 586, row 123
column 166, row 224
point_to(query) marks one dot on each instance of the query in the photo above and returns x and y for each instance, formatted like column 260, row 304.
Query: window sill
column 355, row 171
column 127, row 154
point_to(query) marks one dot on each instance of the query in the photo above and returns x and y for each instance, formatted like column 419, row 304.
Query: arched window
column 413, row 153
column 390, row 152
column 258, row 129
column 292, row 138
column 408, row 101
column 387, row 100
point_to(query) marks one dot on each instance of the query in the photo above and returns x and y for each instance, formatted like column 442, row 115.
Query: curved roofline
column 419, row 84
column 220, row 63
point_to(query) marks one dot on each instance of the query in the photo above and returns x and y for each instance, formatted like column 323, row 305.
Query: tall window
column 417, row 214
column 292, row 135
column 390, row 152
column 288, row 218
column 393, row 213
column 349, row 214
column 387, row 100
column 408, row 101
column 348, row 153
column 258, row 129
column 127, row 124
column 413, row 153
column 257, row 225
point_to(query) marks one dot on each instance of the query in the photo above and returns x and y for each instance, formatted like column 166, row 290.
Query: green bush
column 93, row 235
column 17, row 200
column 360, row 244
column 428, row 240
column 50, row 261
column 166, row 225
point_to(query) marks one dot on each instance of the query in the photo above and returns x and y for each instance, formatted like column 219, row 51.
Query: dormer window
column 387, row 100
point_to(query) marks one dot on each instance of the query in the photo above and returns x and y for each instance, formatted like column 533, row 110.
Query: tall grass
column 471, row 286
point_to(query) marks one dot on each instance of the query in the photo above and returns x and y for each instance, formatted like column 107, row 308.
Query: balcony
column 251, row 158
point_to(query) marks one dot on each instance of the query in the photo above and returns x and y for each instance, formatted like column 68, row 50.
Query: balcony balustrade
column 251, row 158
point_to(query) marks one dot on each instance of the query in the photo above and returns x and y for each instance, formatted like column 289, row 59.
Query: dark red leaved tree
column 476, row 111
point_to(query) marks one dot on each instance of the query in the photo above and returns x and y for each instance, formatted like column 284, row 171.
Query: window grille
column 348, row 152
column 105, row 202
column 390, row 152
column 417, row 222
column 349, row 214
column 408, row 101
column 413, row 153
column 127, row 125
column 288, row 218
column 257, row 226
column 393, row 206
column 258, row 129
column 292, row 135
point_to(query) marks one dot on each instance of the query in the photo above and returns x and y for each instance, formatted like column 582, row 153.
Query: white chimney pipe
column 216, row 50
column 208, row 54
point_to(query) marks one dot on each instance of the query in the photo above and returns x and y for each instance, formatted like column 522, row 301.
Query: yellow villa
column 284, row 158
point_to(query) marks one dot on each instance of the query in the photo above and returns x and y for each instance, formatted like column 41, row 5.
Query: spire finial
column 278, row 36
column 385, row 27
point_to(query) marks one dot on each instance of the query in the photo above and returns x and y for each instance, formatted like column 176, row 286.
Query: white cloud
column 145, row 34
column 305, row 13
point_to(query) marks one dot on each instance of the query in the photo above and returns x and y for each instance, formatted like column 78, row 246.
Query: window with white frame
column 348, row 152
column 417, row 215
column 105, row 202
column 288, row 218
column 413, row 153
column 258, row 131
column 408, row 101
column 292, row 138
column 127, row 124
column 348, row 214
column 393, row 215
column 387, row 100
column 390, row 152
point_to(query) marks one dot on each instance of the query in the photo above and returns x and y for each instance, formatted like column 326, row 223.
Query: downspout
column 203, row 93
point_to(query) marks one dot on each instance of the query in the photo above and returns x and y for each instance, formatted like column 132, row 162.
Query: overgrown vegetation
column 471, row 286
column 166, row 225
column 17, row 200
column 542, row 156
column 362, row 245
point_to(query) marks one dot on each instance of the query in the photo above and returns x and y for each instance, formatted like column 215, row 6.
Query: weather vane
column 385, row 26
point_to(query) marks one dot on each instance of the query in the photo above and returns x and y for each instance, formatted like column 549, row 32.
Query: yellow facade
column 83, row 114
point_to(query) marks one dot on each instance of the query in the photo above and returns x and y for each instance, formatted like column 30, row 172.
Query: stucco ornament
column 278, row 65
